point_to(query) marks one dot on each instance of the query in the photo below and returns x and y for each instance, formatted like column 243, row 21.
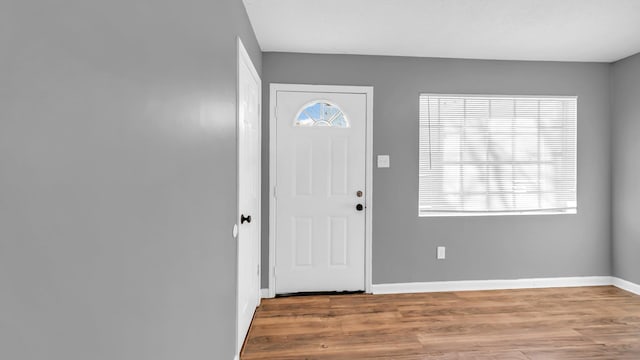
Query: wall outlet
column 441, row 252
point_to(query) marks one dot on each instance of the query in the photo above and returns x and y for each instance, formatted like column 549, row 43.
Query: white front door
column 320, row 191
column 248, row 237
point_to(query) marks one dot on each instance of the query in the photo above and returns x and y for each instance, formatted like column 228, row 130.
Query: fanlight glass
column 321, row 113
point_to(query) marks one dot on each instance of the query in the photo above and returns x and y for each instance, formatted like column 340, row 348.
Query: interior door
column 248, row 237
column 320, row 191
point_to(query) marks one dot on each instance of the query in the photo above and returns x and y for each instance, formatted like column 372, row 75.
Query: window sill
column 506, row 213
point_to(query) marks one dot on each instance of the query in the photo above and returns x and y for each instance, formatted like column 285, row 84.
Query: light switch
column 383, row 161
column 441, row 253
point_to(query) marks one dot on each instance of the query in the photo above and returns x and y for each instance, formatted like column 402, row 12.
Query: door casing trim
column 368, row 92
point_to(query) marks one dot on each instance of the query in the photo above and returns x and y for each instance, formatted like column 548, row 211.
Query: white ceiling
column 560, row 30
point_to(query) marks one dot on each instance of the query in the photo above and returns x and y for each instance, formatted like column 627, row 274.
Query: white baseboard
column 474, row 285
column 471, row 285
column 626, row 285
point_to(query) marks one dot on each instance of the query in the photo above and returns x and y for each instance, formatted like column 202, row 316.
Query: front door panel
column 320, row 233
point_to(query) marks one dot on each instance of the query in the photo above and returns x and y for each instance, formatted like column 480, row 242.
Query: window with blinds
column 497, row 155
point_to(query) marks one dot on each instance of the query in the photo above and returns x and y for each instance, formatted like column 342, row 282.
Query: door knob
column 244, row 219
column 359, row 207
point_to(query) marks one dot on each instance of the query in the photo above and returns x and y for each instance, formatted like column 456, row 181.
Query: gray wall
column 118, row 178
column 477, row 247
column 625, row 106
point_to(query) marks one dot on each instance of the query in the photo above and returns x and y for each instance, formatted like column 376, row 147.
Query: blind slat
column 487, row 154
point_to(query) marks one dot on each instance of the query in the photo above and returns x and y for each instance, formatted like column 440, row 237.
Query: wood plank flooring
column 531, row 324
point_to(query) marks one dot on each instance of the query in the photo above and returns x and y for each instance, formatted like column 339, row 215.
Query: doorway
column 320, row 172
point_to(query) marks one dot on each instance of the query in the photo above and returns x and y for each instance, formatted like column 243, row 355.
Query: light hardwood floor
column 561, row 323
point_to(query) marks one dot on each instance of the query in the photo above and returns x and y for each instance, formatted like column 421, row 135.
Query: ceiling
column 553, row 30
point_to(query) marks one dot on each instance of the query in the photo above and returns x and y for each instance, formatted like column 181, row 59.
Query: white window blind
column 486, row 155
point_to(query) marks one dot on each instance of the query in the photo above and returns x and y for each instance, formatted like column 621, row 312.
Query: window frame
column 486, row 212
column 330, row 125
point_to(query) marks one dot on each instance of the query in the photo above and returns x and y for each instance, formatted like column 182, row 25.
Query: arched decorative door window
column 321, row 113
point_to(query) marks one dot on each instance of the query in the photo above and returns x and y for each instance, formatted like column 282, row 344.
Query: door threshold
column 320, row 293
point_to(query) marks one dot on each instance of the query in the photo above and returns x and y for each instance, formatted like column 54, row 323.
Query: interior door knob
column 359, row 207
column 244, row 219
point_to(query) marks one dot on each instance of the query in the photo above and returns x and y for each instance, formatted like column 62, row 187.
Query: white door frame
column 244, row 58
column 368, row 92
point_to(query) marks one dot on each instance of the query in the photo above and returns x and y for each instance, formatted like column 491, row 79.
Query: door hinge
column 274, row 271
column 258, row 269
column 274, row 192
